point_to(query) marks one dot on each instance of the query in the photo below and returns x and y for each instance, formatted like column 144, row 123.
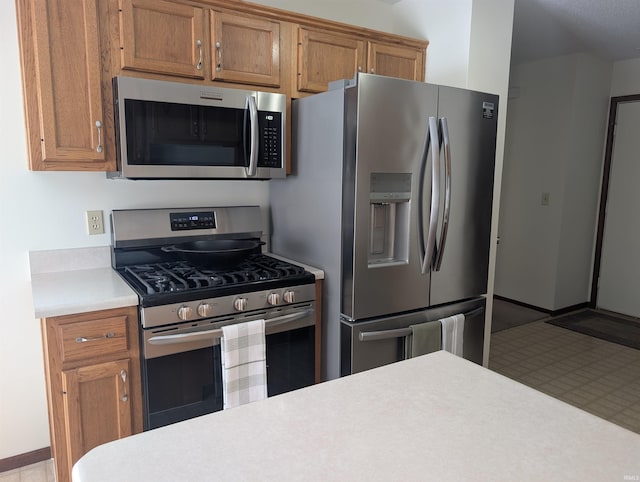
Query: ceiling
column 548, row 28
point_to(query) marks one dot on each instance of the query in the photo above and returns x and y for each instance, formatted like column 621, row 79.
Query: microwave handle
column 253, row 152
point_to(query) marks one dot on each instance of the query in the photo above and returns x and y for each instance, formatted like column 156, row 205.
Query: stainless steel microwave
column 171, row 130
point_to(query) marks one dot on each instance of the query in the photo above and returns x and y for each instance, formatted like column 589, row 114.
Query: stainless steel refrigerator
column 391, row 195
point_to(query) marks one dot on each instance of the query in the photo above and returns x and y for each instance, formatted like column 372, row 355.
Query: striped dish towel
column 453, row 334
column 244, row 367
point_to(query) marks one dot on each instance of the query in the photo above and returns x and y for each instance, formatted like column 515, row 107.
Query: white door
column 619, row 283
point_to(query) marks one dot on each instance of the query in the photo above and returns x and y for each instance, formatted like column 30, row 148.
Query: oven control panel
column 192, row 220
column 227, row 306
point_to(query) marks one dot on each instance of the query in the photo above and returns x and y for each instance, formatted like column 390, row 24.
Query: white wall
column 554, row 144
column 41, row 210
column 625, row 79
column 378, row 14
column 489, row 63
column 582, row 174
column 447, row 27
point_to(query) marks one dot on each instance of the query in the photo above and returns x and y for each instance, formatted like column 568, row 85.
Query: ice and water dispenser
column 389, row 198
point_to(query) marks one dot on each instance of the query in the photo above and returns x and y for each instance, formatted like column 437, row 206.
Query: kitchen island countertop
column 434, row 417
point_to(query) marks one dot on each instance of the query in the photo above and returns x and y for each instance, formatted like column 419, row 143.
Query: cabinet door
column 324, row 57
column 60, row 50
column 163, row 37
column 395, row 61
column 97, row 404
column 245, row 49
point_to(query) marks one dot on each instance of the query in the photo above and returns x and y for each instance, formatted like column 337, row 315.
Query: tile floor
column 40, row 472
column 600, row 377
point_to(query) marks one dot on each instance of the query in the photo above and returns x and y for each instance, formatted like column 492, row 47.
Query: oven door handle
column 217, row 333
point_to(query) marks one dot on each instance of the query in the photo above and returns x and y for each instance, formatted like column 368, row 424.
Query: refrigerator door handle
column 423, row 176
column 447, row 192
column 435, row 195
column 401, row 332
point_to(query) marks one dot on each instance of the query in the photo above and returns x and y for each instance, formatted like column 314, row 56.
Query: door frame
column 604, row 190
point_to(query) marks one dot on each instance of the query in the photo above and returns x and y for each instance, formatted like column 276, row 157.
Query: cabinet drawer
column 94, row 338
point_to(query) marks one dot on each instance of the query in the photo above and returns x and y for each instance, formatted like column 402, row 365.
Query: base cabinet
column 92, row 369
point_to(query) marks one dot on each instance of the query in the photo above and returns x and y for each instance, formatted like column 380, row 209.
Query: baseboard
column 569, row 309
column 25, row 459
column 520, row 303
column 561, row 311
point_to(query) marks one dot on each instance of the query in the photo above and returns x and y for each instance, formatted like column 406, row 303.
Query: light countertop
column 79, row 291
column 68, row 281
column 434, row 417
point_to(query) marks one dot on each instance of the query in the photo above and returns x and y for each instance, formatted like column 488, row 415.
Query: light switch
column 545, row 199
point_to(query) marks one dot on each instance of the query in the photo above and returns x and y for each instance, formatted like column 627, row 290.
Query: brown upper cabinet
column 245, row 49
column 327, row 56
column 70, row 52
column 395, row 61
column 324, row 57
column 61, row 78
column 162, row 37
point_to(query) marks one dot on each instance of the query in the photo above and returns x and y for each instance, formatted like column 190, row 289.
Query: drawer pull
column 83, row 339
column 123, row 375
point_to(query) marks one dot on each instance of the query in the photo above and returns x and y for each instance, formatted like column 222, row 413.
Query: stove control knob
column 289, row 296
column 273, row 299
column 205, row 309
column 185, row 312
column 240, row 304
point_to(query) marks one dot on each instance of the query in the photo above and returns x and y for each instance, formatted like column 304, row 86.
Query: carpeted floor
column 605, row 326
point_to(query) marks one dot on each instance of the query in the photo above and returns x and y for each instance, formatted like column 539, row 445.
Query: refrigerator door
column 387, row 196
column 381, row 341
column 468, row 122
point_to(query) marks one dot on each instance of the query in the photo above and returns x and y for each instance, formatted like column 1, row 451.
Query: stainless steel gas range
column 196, row 270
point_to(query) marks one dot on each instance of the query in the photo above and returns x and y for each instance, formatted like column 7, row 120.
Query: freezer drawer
column 377, row 342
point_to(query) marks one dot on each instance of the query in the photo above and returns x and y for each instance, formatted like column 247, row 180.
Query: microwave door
column 169, row 130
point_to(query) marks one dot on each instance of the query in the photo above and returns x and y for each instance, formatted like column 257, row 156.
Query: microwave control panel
column 270, row 139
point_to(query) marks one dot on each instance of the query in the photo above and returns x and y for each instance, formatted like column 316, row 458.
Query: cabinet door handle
column 123, row 375
column 219, row 49
column 99, row 127
column 84, row 339
column 199, row 45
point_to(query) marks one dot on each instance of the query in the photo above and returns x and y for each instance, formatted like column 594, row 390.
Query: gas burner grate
column 181, row 276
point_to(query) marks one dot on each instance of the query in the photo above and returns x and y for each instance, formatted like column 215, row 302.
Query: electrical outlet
column 95, row 222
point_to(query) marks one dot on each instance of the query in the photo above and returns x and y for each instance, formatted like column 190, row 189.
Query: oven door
column 182, row 372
